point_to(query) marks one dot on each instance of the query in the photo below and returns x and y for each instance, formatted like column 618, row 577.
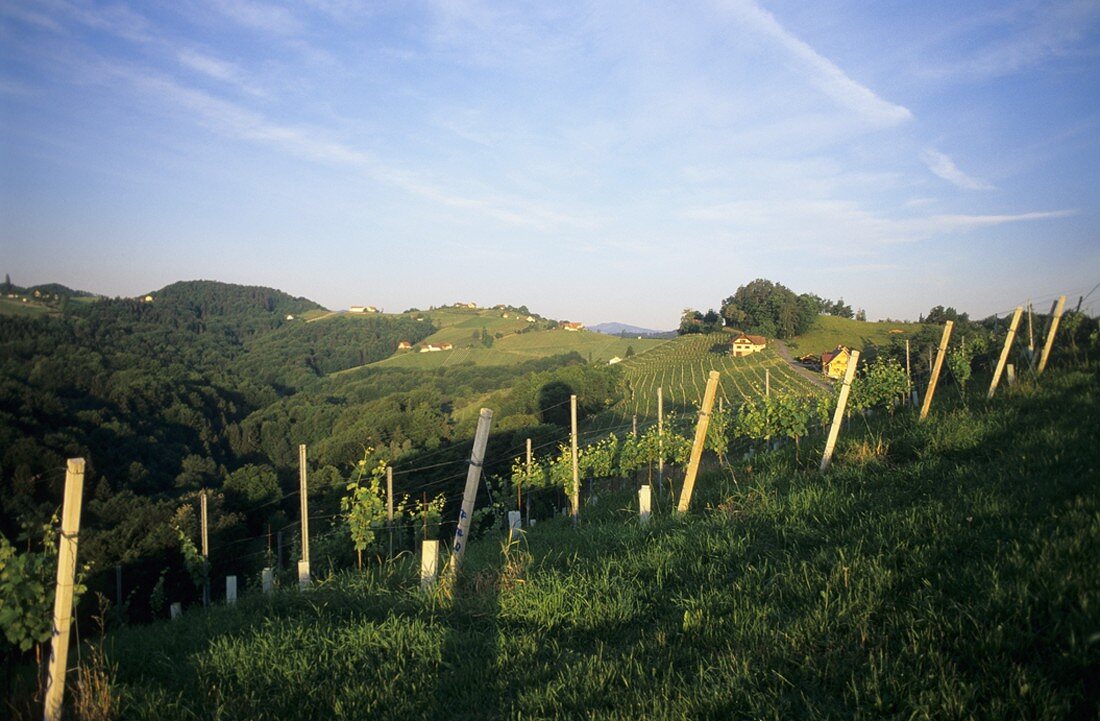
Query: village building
column 835, row 362
column 289, row 317
column 433, row 348
column 404, row 345
column 571, row 326
column 614, row 360
column 745, row 344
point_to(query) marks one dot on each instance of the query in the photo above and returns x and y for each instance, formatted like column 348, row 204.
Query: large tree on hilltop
column 769, row 309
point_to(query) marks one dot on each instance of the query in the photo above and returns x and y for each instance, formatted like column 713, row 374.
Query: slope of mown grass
column 940, row 570
column 829, row 331
column 519, row 347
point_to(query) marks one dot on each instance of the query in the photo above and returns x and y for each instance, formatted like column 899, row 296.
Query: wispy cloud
column 216, row 68
column 1023, row 35
column 265, row 17
column 822, row 72
column 238, row 121
column 942, row 165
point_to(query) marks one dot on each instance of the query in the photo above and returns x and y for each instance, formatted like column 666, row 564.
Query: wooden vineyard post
column 529, row 459
column 927, row 405
column 634, row 427
column 1005, row 351
column 429, row 564
column 700, row 440
column 767, row 382
column 660, row 441
column 1050, row 334
column 838, row 414
column 303, row 492
column 645, row 503
column 205, row 552
column 575, row 495
column 469, row 495
column 63, row 595
column 389, row 504
column 230, row 590
column 908, row 374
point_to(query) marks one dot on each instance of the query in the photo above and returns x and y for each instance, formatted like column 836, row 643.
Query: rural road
column 785, row 354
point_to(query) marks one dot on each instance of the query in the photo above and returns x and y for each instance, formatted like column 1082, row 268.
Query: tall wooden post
column 303, row 492
column 63, row 594
column 838, row 414
column 908, row 374
column 644, row 503
column 575, row 494
column 1030, row 335
column 389, row 504
column 205, row 552
column 767, row 382
column 927, row 405
column 469, row 495
column 634, row 427
column 529, row 460
column 700, row 440
column 429, row 564
column 660, row 441
column 1005, row 351
column 1050, row 334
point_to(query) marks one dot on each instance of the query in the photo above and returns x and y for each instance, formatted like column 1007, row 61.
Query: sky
column 595, row 161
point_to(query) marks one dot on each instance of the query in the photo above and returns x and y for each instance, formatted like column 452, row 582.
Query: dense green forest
column 213, row 386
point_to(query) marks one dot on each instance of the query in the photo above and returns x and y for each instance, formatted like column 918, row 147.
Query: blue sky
column 595, row 161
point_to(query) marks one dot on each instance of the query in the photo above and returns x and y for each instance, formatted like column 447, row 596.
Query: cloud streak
column 943, row 166
column 824, row 74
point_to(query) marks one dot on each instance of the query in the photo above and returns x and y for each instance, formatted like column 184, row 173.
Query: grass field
column 680, row 367
column 829, row 332
column 11, row 306
column 519, row 347
column 941, row 570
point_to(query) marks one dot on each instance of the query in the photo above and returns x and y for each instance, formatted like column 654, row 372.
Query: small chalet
column 747, row 344
column 404, row 345
column 571, row 326
column 614, row 360
column 433, row 348
column 835, row 362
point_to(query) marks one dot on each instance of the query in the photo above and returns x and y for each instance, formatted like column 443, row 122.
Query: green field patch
column 829, row 331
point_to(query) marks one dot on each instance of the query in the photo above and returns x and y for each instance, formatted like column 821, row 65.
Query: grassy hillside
column 944, row 569
column 680, row 367
column 16, row 307
column 517, row 348
column 829, row 332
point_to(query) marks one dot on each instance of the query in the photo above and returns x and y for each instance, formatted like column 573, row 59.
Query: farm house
column 744, row 345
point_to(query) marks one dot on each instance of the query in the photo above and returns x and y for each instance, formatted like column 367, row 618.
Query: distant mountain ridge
column 630, row 330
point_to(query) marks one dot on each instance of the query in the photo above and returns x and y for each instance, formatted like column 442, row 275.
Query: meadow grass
column 829, row 331
column 944, row 569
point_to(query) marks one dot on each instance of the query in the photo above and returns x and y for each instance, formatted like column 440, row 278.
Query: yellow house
column 835, row 362
column 746, row 344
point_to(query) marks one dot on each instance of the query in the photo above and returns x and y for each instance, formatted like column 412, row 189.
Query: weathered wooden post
column 63, row 593
column 1050, row 334
column 529, row 461
column 515, row 524
column 303, row 492
column 645, row 503
column 469, row 495
column 429, row 564
column 838, row 414
column 1005, row 351
column 767, row 382
column 205, row 553
column 634, row 426
column 175, row 611
column 1010, row 372
column 927, row 405
column 268, row 580
column 230, row 590
column 700, row 440
column 389, row 504
column 660, row 440
column 908, row 374
column 575, row 494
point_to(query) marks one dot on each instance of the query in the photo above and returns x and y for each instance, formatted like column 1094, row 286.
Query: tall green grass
column 940, row 570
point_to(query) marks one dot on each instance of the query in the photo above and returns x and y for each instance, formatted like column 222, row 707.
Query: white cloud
column 822, row 72
column 942, row 165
